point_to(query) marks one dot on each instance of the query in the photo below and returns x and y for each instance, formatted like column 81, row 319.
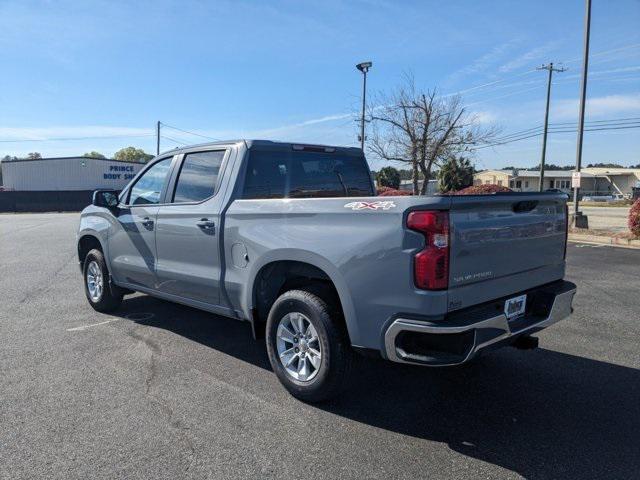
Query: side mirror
column 105, row 199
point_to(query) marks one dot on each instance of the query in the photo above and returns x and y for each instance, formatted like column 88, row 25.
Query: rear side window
column 299, row 174
column 198, row 176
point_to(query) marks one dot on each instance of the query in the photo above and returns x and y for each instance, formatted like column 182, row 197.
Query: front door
column 132, row 247
column 188, row 228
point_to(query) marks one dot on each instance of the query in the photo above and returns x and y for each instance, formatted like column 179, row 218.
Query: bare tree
column 423, row 129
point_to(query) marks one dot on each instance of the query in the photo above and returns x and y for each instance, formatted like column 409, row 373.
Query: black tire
column 111, row 295
column 336, row 354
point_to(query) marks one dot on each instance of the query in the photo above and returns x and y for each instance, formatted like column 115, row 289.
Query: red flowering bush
column 482, row 190
column 392, row 192
column 634, row 218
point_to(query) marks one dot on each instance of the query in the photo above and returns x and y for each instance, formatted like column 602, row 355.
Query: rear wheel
column 102, row 295
column 307, row 345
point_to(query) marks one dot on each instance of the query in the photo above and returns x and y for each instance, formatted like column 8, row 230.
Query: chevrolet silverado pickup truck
column 293, row 239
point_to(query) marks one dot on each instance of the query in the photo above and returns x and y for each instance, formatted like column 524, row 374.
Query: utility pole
column 551, row 69
column 364, row 68
column 579, row 220
column 158, row 138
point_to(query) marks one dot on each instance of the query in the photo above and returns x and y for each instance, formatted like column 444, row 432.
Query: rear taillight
column 431, row 265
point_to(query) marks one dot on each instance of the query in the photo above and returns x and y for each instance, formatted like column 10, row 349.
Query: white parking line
column 84, row 327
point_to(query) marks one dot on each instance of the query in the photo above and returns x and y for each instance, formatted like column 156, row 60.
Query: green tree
column 605, row 165
column 132, row 154
column 455, row 174
column 93, row 154
column 389, row 177
column 552, row 166
column 34, row 155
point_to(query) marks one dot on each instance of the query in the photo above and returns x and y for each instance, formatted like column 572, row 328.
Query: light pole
column 158, row 138
column 546, row 120
column 579, row 220
column 364, row 68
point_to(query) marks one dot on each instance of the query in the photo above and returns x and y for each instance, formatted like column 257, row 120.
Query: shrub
column 389, row 177
column 634, row 218
column 455, row 174
column 392, row 192
column 482, row 190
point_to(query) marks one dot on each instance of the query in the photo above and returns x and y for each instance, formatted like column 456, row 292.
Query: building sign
column 575, row 180
column 119, row 172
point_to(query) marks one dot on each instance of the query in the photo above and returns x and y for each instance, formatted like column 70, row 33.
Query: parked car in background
column 605, row 198
column 292, row 239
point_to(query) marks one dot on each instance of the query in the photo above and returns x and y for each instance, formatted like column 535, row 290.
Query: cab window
column 148, row 188
column 198, row 176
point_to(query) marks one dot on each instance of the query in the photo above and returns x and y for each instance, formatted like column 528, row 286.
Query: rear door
column 132, row 247
column 504, row 243
column 188, row 229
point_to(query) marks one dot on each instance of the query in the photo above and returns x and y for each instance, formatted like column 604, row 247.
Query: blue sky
column 285, row 70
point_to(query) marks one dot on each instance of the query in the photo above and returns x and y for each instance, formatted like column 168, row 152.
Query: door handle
column 207, row 225
column 147, row 223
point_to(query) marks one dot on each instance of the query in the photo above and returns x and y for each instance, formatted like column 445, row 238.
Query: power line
column 488, row 84
column 594, row 128
column 511, row 94
column 605, row 52
column 519, row 133
column 501, row 80
column 187, row 131
column 173, row 139
column 556, row 125
column 628, row 119
column 601, row 128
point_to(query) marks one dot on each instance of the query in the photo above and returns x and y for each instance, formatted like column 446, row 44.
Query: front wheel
column 307, row 345
column 102, row 296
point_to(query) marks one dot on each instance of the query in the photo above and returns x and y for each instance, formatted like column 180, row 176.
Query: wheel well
column 86, row 244
column 278, row 277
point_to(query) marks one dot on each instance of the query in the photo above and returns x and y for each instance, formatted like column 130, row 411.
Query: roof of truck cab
column 267, row 144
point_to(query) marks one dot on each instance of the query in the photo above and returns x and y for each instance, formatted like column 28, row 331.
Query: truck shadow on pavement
column 542, row 414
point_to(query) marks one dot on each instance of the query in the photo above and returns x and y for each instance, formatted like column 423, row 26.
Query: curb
column 603, row 240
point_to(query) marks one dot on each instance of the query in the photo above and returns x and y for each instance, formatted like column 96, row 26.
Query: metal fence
column 45, row 201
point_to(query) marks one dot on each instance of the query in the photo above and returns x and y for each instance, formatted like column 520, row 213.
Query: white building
column 66, row 174
column 594, row 181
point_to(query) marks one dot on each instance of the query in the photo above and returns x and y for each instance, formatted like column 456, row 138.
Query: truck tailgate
column 504, row 243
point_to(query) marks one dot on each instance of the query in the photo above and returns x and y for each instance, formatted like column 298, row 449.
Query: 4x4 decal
column 386, row 205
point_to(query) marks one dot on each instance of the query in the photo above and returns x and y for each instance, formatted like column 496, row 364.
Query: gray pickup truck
column 293, row 239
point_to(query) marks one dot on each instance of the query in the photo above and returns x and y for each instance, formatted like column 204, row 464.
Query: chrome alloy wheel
column 298, row 346
column 95, row 281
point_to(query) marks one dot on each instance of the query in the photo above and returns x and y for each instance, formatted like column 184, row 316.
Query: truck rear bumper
column 460, row 336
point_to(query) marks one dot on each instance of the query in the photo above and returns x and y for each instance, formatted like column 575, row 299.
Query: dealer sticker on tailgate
column 514, row 307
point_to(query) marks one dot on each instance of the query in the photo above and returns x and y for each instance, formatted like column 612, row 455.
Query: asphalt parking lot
column 164, row 391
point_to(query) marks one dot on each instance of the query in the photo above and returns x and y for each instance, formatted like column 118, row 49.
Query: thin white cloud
column 328, row 118
column 43, row 133
column 527, row 58
column 484, row 117
column 485, row 61
column 608, row 105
